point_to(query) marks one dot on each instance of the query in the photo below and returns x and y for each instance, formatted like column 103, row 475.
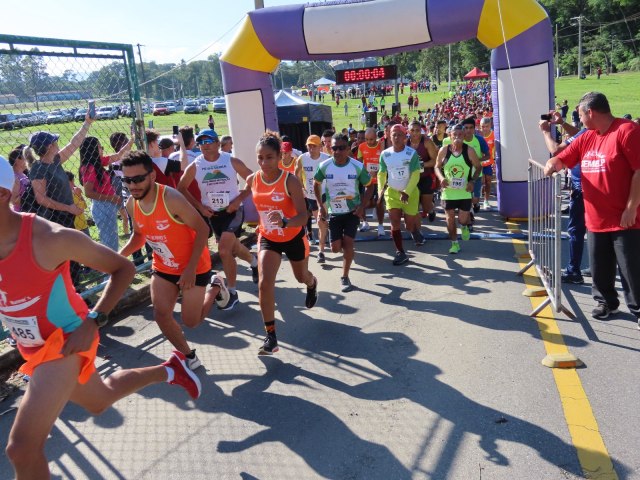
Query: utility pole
column 611, row 56
column 449, row 67
column 144, row 78
column 259, row 4
column 579, row 19
column 557, row 57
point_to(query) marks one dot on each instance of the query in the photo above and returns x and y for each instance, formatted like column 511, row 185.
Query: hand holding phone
column 92, row 109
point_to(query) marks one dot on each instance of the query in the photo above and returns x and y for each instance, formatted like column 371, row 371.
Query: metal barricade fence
column 545, row 234
column 46, row 86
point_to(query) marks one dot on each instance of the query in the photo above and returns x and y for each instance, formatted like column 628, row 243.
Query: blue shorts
column 487, row 170
column 477, row 188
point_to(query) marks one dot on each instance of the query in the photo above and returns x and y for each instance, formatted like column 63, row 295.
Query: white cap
column 7, row 177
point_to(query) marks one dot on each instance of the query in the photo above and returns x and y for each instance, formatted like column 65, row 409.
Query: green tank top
column 457, row 172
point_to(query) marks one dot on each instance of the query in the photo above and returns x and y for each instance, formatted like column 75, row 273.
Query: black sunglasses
column 135, row 179
column 337, row 148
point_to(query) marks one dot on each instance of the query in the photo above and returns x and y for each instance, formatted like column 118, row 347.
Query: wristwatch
column 99, row 318
column 284, row 222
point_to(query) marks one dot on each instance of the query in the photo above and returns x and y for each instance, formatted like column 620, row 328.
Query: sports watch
column 99, row 318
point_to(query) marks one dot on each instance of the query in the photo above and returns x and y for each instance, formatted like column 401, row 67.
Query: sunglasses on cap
column 135, row 179
column 337, row 148
column 207, row 141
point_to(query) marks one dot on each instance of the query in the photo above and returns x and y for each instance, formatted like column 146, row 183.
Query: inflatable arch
column 518, row 31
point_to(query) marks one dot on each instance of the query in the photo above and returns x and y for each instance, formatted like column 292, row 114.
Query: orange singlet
column 171, row 239
column 370, row 157
column 268, row 197
column 491, row 141
column 291, row 168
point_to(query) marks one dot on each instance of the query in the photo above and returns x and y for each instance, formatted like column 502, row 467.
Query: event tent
column 324, row 81
column 476, row 74
column 299, row 117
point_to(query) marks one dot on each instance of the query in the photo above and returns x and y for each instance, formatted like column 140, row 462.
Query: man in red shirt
column 609, row 153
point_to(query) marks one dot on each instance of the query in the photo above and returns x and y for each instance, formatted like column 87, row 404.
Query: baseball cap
column 165, row 143
column 287, row 147
column 7, row 177
column 39, row 140
column 314, row 140
column 207, row 133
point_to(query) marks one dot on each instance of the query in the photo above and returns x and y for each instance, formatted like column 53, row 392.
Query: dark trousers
column 576, row 229
column 606, row 249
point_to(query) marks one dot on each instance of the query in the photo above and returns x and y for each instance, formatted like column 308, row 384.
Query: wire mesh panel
column 69, row 111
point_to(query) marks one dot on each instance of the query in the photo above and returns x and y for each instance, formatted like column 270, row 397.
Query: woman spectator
column 122, row 145
column 19, row 164
column 98, row 187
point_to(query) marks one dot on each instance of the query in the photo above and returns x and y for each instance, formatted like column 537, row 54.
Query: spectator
column 19, row 165
column 121, row 144
column 98, row 187
column 166, row 170
column 211, row 122
column 226, row 143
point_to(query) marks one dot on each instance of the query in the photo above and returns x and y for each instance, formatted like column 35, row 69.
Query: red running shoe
column 182, row 374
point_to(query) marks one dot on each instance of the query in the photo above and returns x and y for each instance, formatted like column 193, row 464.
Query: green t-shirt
column 342, row 184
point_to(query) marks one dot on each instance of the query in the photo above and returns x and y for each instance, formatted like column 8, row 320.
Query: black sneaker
column 312, row 295
column 321, row 258
column 432, row 215
column 233, row 299
column 603, row 311
column 270, row 345
column 400, row 258
column 476, row 207
column 574, row 278
column 346, row 284
column 418, row 238
column 254, row 274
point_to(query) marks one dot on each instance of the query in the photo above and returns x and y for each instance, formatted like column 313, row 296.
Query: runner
column 369, row 154
column 181, row 261
column 56, row 333
column 399, row 173
column 487, row 165
column 427, row 151
column 279, row 200
column 216, row 175
column 454, row 168
column 343, row 176
column 306, row 166
column 287, row 162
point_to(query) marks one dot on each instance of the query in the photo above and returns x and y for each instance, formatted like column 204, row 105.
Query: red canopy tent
column 476, row 74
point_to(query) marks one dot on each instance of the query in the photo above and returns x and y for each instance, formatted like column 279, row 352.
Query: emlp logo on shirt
column 214, row 176
column 593, row 162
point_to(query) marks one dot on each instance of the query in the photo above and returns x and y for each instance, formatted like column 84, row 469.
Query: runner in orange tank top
column 181, row 261
column 287, row 160
column 279, row 200
column 55, row 332
column 487, row 165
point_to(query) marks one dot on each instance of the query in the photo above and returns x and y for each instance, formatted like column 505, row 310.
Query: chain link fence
column 46, row 88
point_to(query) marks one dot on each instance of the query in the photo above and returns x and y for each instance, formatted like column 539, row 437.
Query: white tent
column 324, row 81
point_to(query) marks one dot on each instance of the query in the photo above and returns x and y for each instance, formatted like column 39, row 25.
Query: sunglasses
column 337, row 148
column 207, row 141
column 135, row 179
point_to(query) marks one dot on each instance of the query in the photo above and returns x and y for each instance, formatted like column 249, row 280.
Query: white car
column 107, row 113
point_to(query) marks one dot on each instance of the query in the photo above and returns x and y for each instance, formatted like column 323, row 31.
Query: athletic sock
column 270, row 327
column 170, row 374
column 254, row 261
column 397, row 239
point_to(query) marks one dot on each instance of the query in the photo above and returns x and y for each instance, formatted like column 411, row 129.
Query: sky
column 168, row 31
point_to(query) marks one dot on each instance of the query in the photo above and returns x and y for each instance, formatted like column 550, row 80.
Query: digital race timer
column 367, row 74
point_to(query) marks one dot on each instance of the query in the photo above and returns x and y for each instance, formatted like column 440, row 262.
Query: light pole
column 611, row 55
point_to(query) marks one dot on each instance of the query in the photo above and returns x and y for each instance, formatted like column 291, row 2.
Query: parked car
column 107, row 113
column 203, row 104
column 59, row 116
column 8, row 121
column 192, row 107
column 160, row 109
column 80, row 115
column 219, row 105
column 171, row 107
column 41, row 117
column 26, row 120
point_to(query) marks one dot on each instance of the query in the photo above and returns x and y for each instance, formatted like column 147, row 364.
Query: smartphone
column 92, row 109
column 176, row 130
column 546, row 117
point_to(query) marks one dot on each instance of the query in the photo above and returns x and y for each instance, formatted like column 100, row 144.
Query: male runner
column 181, row 261
column 427, row 151
column 343, row 176
column 399, row 174
column 369, row 154
column 216, row 174
column 56, row 333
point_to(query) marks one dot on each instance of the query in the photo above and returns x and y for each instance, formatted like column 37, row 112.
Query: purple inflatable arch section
column 517, row 31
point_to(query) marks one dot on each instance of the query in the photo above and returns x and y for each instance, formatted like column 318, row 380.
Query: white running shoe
column 381, row 231
column 486, row 206
column 222, row 299
column 364, row 227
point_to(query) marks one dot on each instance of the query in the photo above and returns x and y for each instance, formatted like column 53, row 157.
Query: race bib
column 266, row 223
column 399, row 173
column 372, row 168
column 25, row 330
column 458, row 183
column 161, row 249
column 339, row 206
column 218, row 200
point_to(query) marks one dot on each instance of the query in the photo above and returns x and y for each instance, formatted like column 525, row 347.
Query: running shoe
column 193, row 362
column 455, row 247
column 254, row 274
column 486, row 206
column 381, row 231
column 270, row 345
column 418, row 238
column 575, row 278
column 400, row 258
column 233, row 299
column 603, row 311
column 312, row 295
column 182, row 375
column 432, row 215
column 364, row 227
column 222, row 299
column 321, row 258
column 476, row 207
column 466, row 234
column 346, row 284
